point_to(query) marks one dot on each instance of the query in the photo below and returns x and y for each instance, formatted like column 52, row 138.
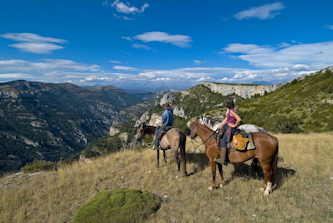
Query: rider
column 229, row 124
column 167, row 119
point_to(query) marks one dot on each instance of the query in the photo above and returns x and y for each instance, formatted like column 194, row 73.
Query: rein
column 206, row 139
column 149, row 144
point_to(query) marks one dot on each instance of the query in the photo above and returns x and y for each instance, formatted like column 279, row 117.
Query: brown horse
column 266, row 151
column 173, row 139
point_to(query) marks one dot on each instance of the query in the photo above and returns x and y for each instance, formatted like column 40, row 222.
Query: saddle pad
column 250, row 145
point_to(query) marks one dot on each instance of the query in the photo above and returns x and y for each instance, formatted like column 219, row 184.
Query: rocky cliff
column 49, row 121
column 243, row 90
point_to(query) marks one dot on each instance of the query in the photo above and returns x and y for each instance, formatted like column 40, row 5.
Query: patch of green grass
column 118, row 205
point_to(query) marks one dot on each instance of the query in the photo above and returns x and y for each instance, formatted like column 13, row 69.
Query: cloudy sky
column 163, row 44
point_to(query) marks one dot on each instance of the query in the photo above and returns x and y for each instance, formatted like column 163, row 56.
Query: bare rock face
column 244, row 91
column 145, row 117
column 155, row 120
column 123, row 137
column 168, row 97
column 179, row 111
column 113, row 131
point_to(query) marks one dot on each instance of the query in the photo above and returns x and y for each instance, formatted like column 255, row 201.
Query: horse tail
column 275, row 161
column 182, row 145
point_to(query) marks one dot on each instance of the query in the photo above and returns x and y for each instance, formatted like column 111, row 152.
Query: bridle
column 196, row 136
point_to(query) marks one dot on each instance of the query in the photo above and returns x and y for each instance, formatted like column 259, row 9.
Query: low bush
column 118, row 205
column 37, row 166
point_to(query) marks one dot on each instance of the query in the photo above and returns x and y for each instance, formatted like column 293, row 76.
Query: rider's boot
column 221, row 157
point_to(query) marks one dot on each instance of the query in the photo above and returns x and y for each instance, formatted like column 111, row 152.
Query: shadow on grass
column 240, row 169
column 246, row 171
column 200, row 159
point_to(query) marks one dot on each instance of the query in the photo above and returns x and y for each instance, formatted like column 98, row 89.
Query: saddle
column 163, row 132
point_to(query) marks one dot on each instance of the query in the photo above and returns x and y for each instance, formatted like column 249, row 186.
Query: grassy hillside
column 304, row 191
column 301, row 105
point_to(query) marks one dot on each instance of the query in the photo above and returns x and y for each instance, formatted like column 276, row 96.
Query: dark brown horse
column 173, row 139
column 266, row 151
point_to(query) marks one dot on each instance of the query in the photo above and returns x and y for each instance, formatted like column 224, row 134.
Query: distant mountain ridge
column 49, row 121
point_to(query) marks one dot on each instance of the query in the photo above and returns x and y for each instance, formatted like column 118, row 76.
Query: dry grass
column 303, row 194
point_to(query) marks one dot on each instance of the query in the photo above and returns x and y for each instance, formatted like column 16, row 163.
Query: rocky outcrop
column 179, row 111
column 113, row 131
column 155, row 120
column 244, row 91
column 168, row 97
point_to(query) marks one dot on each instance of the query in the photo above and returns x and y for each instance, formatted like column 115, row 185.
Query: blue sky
column 163, row 44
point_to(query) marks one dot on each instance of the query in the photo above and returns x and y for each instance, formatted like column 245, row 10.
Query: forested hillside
column 49, row 121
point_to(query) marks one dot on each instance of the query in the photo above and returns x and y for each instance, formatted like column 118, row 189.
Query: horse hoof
column 210, row 188
column 221, row 185
column 177, row 177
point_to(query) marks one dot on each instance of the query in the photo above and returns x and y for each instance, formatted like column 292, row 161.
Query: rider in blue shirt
column 167, row 119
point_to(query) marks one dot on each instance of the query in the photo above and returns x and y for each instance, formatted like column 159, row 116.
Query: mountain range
column 50, row 121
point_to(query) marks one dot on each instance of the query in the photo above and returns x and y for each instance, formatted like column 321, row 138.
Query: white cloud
column 283, row 44
column 33, row 43
column 31, row 37
column 240, row 48
column 262, row 12
column 319, row 54
column 88, row 75
column 124, row 68
column 198, row 62
column 15, row 76
column 114, row 61
column 127, row 38
column 141, row 46
column 39, row 48
column 47, row 66
column 329, row 27
column 177, row 40
column 128, row 8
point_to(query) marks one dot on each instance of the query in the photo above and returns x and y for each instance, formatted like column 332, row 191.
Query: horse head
column 193, row 133
column 140, row 132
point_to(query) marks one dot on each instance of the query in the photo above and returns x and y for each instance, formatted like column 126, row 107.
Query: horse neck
column 150, row 130
column 204, row 133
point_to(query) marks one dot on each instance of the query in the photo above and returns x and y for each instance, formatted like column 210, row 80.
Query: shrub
column 118, row 205
column 283, row 124
column 37, row 166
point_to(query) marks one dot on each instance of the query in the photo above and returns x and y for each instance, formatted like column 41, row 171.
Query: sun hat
column 166, row 105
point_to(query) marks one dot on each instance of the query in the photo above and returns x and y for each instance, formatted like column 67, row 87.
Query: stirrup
column 156, row 148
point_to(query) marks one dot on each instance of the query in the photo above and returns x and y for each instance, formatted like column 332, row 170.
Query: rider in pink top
column 229, row 125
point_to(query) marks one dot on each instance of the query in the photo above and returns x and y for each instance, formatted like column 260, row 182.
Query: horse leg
column 175, row 152
column 221, row 173
column 213, row 166
column 158, row 158
column 254, row 164
column 164, row 156
column 268, row 172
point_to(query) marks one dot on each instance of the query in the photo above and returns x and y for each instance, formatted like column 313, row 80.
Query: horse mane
column 204, row 126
